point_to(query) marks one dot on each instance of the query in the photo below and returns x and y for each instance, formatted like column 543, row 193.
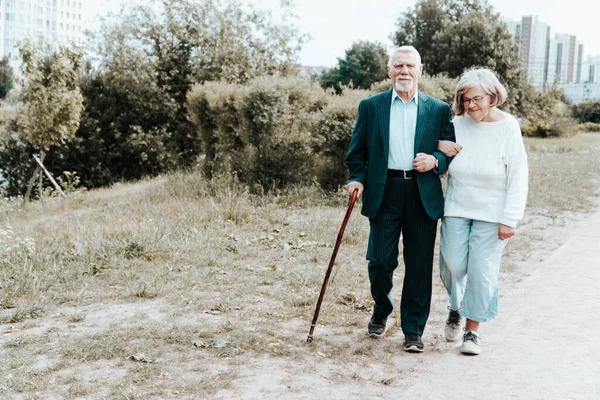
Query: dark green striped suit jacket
column 367, row 157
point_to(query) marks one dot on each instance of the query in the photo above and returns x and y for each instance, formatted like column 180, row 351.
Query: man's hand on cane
column 353, row 186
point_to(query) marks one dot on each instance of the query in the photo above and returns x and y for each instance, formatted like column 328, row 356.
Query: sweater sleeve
column 515, row 160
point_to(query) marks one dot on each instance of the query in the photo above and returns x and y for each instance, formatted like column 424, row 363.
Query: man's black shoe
column 377, row 327
column 413, row 343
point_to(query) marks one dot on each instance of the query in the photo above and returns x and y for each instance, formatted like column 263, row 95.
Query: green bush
column 213, row 109
column 277, row 118
column 261, row 131
column 332, row 131
column 16, row 164
column 439, row 86
column 381, row 86
column 589, row 127
column 127, row 131
column 548, row 116
column 588, row 111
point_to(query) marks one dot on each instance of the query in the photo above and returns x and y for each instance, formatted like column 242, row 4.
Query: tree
column 6, row 77
column 364, row 64
column 453, row 35
column 51, row 101
column 148, row 58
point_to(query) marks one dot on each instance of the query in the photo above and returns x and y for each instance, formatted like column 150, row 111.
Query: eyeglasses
column 475, row 100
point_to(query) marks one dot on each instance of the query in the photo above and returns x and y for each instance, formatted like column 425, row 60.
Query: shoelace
column 453, row 318
column 471, row 336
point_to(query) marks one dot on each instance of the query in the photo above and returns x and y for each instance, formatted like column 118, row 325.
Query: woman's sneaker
column 471, row 343
column 452, row 330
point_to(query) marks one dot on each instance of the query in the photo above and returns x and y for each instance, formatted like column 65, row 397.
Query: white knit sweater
column 488, row 178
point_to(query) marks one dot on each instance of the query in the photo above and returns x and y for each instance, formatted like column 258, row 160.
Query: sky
column 335, row 24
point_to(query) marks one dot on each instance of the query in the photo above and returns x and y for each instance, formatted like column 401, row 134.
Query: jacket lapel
column 385, row 103
column 422, row 120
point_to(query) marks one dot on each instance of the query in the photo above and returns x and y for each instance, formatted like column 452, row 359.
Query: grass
column 214, row 284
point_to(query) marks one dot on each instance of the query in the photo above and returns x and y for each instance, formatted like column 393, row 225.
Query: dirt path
column 544, row 344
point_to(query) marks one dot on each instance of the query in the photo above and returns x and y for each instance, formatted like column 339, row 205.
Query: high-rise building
column 588, row 87
column 53, row 22
column 533, row 49
column 578, row 62
column 546, row 59
column 514, row 28
column 565, row 59
column 590, row 70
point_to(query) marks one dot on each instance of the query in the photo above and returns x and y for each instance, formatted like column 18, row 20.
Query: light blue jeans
column 470, row 254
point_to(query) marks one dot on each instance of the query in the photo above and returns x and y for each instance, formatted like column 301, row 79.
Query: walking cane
column 335, row 250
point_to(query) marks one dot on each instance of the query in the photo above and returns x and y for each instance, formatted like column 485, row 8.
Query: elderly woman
column 485, row 197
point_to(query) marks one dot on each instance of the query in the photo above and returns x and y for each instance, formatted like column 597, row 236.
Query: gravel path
column 545, row 342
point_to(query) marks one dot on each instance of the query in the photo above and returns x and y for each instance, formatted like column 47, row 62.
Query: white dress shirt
column 403, row 124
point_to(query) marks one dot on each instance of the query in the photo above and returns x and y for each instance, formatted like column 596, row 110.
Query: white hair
column 479, row 77
column 404, row 49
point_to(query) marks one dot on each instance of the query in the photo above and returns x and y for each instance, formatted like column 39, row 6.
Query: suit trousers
column 402, row 214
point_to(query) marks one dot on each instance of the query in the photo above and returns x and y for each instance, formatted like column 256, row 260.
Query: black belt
column 399, row 173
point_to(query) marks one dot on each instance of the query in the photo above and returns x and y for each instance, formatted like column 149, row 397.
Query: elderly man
column 394, row 163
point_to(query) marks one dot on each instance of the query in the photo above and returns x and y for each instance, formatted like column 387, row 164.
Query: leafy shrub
column 261, row 131
column 439, row 86
column 213, row 109
column 16, row 164
column 277, row 118
column 381, row 86
column 588, row 111
column 332, row 132
column 548, row 116
column 589, row 127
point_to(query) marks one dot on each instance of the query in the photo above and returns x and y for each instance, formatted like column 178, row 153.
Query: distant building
column 533, row 50
column 590, row 71
column 579, row 92
column 546, row 59
column 54, row 22
column 588, row 87
column 514, row 28
column 565, row 59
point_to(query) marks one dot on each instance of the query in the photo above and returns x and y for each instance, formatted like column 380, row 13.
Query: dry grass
column 179, row 287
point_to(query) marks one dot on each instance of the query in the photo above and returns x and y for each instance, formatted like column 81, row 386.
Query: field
column 179, row 287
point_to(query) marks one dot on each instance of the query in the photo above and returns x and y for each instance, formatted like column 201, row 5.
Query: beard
column 404, row 86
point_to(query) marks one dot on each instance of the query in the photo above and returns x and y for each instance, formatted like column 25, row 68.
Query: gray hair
column 403, row 49
column 484, row 78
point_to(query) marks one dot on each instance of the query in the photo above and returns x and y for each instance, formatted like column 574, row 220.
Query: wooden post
column 58, row 189
column 40, row 181
column 31, row 183
column 38, row 171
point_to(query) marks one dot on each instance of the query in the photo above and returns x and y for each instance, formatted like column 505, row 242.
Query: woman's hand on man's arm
column 449, row 148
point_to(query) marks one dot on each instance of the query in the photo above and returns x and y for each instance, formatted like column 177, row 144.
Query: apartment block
column 52, row 22
column 547, row 59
